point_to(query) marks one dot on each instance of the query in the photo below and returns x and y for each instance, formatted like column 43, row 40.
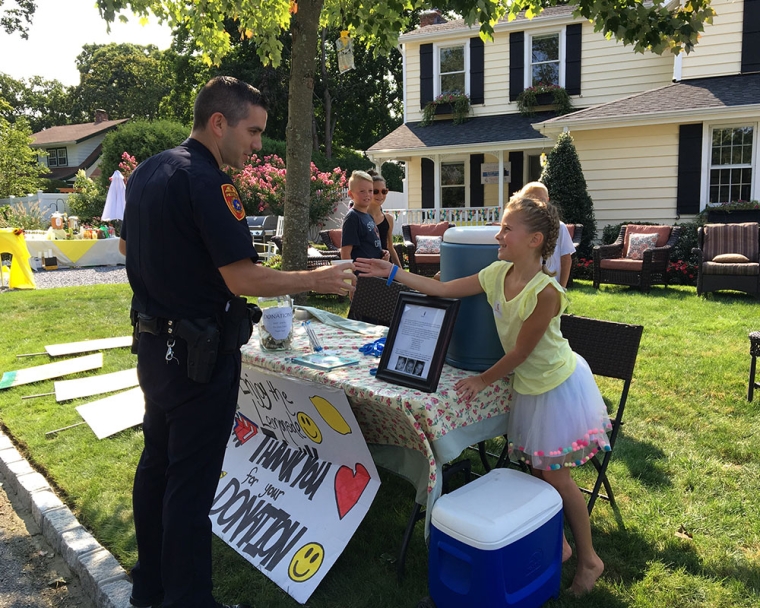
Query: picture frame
column 417, row 341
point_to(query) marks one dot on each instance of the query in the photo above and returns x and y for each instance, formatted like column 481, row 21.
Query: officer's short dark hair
column 229, row 96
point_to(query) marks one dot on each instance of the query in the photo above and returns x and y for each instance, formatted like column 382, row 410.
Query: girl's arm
column 458, row 288
column 533, row 328
column 389, row 244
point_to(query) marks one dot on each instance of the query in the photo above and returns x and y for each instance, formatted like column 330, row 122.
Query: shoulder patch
column 232, row 198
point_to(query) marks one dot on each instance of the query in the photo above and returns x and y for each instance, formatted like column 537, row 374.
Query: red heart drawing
column 349, row 487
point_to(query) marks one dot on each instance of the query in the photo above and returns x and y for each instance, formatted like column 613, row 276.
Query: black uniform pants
column 186, row 428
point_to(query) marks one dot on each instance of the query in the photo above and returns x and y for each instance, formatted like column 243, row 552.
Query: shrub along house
column 73, row 147
column 658, row 136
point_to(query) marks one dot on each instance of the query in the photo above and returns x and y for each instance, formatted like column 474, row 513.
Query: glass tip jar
column 276, row 325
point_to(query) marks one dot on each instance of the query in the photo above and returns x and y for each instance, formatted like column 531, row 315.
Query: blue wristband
column 394, row 270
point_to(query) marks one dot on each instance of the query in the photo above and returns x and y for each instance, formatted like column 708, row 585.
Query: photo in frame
column 417, row 341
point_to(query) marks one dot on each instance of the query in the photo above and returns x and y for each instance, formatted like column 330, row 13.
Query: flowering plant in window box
column 457, row 104
column 541, row 95
column 733, row 212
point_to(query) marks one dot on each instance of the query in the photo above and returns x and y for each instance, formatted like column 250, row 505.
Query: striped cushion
column 731, row 238
column 747, row 269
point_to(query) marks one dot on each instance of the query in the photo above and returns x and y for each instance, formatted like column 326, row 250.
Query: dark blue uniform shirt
column 182, row 221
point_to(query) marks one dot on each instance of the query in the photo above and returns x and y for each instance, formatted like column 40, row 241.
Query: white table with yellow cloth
column 77, row 252
column 20, row 276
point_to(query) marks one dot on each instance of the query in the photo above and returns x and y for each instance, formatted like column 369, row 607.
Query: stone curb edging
column 103, row 579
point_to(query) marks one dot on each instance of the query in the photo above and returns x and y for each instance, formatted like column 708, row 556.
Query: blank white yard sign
column 95, row 385
column 113, row 414
column 86, row 346
column 51, row 370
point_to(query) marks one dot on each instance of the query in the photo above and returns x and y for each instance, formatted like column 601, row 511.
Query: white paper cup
column 348, row 270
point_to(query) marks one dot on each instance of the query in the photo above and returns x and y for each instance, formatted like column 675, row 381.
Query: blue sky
column 56, row 37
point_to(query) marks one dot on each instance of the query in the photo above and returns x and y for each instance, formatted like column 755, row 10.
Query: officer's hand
column 337, row 279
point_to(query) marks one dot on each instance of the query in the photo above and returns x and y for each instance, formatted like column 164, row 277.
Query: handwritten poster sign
column 297, row 480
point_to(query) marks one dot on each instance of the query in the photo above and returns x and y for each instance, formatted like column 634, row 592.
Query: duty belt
column 155, row 325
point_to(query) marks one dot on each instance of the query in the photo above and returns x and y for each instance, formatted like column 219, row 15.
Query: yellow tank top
column 552, row 361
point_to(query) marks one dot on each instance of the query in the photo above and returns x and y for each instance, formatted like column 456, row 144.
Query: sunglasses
column 383, row 191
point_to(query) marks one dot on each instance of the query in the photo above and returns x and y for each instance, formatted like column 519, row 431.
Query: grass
column 686, row 469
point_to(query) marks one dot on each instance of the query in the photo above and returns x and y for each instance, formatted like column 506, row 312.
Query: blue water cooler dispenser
column 474, row 343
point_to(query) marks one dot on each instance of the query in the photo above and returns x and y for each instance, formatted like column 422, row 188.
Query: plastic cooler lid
column 497, row 509
column 472, row 235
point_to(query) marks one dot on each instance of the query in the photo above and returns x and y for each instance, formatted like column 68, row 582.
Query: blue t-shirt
column 360, row 231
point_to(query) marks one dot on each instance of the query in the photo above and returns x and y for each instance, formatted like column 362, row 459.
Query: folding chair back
column 374, row 301
column 610, row 350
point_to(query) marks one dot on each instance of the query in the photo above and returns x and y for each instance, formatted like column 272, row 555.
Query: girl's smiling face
column 514, row 238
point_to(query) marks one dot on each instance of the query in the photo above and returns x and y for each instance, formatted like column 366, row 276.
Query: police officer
column 189, row 255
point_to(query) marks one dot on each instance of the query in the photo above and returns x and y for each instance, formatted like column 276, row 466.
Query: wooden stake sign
column 51, row 370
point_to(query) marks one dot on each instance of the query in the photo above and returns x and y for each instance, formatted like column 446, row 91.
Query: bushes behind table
column 140, row 138
column 88, row 200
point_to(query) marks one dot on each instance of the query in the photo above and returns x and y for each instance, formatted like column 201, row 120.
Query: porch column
column 437, row 179
column 501, row 178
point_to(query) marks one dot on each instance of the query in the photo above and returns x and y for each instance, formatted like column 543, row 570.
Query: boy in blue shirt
column 360, row 238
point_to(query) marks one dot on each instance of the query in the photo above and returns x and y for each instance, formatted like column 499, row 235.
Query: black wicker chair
column 331, row 239
column 427, row 264
column 312, row 261
column 611, row 265
column 610, row 349
column 720, row 239
column 374, row 301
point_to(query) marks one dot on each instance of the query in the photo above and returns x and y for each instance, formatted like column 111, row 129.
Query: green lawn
column 687, row 460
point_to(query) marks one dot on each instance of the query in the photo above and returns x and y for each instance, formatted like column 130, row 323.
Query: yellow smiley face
column 306, row 562
column 310, row 429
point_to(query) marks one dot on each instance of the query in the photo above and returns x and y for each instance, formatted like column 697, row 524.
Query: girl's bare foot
column 567, row 550
column 586, row 576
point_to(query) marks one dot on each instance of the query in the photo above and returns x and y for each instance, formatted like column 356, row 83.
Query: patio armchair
column 427, row 263
column 332, row 239
column 312, row 261
column 642, row 264
column 727, row 258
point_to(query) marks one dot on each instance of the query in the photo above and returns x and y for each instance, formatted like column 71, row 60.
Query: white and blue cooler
column 496, row 543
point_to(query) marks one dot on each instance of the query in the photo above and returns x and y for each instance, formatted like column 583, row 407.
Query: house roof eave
column 479, row 148
column 557, row 125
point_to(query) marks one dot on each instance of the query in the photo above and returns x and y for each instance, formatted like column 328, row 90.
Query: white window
column 731, row 157
column 545, row 59
column 453, row 185
column 57, row 157
column 451, row 67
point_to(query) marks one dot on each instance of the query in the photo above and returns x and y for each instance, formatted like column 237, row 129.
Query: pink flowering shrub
column 261, row 185
column 127, row 165
column 682, row 273
column 584, row 269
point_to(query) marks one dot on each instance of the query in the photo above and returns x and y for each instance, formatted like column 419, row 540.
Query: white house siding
column 412, row 101
column 496, row 77
column 631, row 173
column 610, row 70
column 79, row 152
column 719, row 50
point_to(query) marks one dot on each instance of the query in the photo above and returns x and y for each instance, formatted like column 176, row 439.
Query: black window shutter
column 476, row 188
column 751, row 37
column 428, row 184
column 516, row 64
column 477, row 84
column 573, row 59
column 426, row 74
column 516, row 158
column 689, row 168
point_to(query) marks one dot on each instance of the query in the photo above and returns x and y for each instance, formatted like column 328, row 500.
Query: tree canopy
column 20, row 170
column 17, row 19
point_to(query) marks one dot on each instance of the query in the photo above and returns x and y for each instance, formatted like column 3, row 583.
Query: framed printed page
column 418, row 338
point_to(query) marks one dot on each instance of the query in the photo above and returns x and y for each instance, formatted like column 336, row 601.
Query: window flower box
column 736, row 212
column 456, row 104
column 544, row 95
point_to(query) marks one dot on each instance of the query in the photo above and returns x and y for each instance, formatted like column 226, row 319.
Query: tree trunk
column 304, row 30
column 326, row 95
column 314, row 134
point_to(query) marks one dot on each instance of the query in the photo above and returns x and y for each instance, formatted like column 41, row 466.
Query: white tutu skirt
column 563, row 427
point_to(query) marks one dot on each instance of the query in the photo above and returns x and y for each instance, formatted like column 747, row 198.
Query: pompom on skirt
column 563, row 427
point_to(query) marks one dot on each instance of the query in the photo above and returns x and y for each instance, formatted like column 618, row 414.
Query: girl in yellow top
column 558, row 419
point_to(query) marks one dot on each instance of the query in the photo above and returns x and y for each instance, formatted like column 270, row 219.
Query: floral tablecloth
column 400, row 424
